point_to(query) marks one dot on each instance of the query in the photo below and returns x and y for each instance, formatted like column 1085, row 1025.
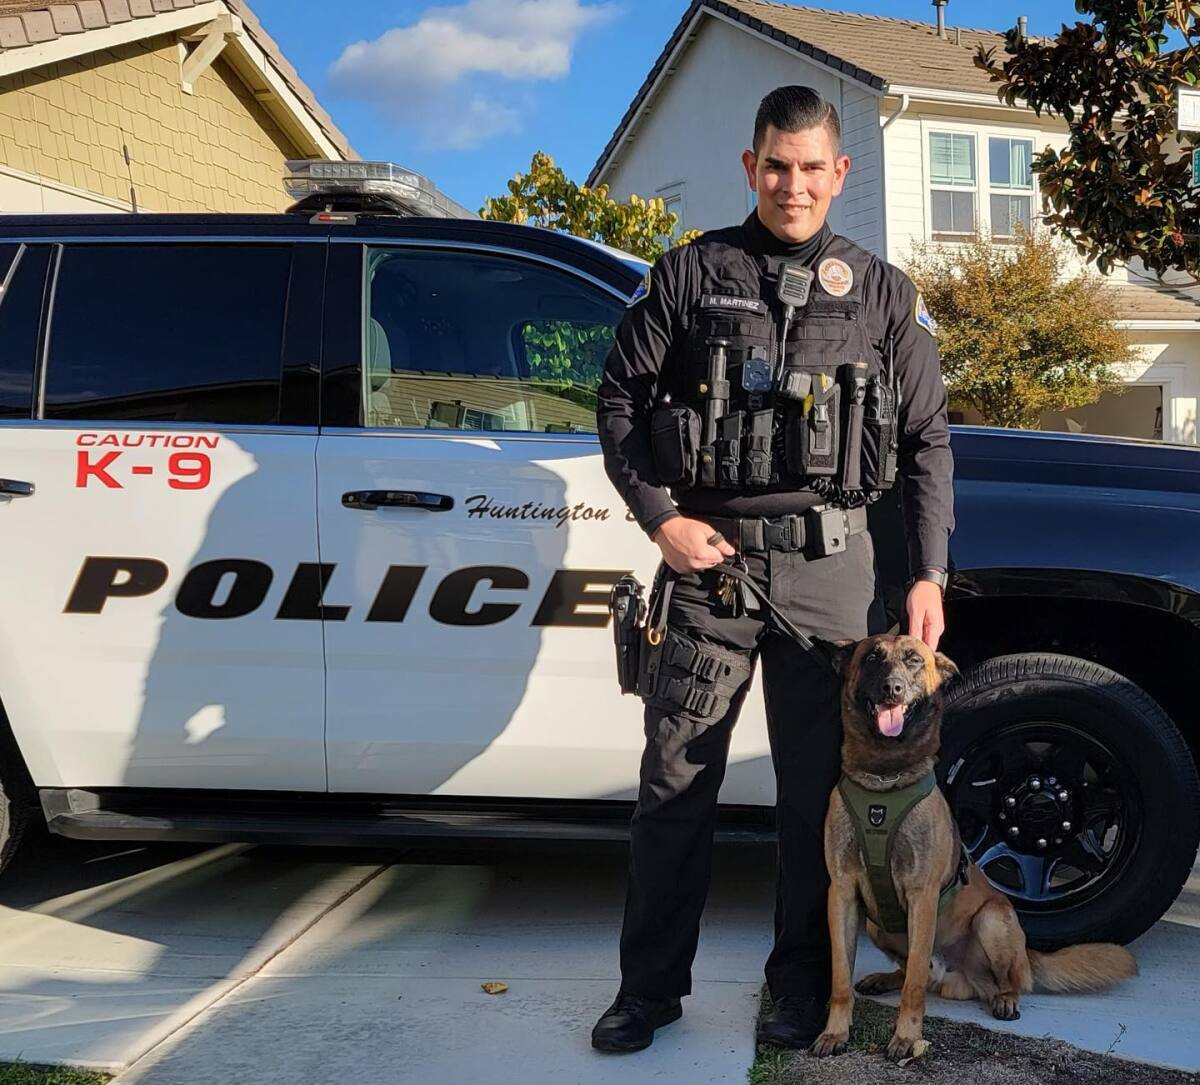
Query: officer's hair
column 793, row 109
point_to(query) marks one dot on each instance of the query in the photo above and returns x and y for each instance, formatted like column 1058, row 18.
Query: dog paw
column 1006, row 1007
column 830, row 1043
column 878, row 983
column 905, row 1047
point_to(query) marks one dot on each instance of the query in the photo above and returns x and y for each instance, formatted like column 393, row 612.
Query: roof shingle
column 1134, row 302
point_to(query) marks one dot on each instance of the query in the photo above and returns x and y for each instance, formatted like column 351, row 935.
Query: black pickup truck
column 1070, row 748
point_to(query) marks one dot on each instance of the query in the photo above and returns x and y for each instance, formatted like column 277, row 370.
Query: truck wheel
column 1075, row 794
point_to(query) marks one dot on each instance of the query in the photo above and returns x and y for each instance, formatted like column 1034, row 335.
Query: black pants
column 684, row 763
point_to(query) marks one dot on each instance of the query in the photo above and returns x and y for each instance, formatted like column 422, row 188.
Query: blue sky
column 466, row 90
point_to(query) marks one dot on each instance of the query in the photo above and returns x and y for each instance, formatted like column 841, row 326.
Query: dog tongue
column 890, row 720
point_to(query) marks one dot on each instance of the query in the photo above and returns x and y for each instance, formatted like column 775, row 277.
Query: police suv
column 306, row 538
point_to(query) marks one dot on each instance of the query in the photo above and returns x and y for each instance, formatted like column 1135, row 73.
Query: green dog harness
column 876, row 816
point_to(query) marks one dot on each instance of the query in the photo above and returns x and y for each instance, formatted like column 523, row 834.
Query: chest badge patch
column 876, row 815
column 641, row 293
column 924, row 318
column 837, row 277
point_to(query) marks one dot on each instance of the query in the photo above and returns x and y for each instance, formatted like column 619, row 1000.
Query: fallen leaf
column 921, row 1047
column 494, row 988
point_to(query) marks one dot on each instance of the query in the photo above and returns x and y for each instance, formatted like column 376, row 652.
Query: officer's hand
column 926, row 619
column 685, row 546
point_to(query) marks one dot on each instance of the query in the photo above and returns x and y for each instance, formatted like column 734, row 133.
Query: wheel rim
column 1047, row 812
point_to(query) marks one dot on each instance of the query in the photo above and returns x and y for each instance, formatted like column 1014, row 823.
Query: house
column 933, row 151
column 150, row 105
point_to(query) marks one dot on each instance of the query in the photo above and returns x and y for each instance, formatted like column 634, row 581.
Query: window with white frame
column 954, row 185
column 672, row 198
column 1010, row 184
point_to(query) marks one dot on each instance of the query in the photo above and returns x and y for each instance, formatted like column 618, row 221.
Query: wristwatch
column 934, row 574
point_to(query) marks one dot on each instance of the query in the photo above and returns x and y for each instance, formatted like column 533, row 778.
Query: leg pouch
column 682, row 675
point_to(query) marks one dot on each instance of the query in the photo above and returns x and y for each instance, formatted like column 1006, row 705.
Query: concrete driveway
column 195, row 965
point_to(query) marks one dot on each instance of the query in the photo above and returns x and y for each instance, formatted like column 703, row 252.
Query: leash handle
column 785, row 623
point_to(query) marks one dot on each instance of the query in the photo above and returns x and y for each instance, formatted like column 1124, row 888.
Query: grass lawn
column 960, row 1054
column 31, row 1073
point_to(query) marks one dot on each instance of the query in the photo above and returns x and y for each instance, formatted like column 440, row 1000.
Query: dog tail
column 1081, row 968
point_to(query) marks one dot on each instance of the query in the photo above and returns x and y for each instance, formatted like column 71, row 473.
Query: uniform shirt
column 651, row 338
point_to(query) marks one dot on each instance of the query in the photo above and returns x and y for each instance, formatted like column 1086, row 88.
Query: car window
column 22, row 280
column 181, row 332
column 475, row 341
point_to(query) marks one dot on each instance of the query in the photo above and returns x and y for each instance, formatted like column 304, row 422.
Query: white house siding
column 703, row 118
column 860, row 206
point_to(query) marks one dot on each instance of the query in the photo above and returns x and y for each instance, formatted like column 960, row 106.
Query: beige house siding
column 214, row 150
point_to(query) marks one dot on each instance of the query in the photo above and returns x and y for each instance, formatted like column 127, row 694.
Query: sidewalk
column 189, row 967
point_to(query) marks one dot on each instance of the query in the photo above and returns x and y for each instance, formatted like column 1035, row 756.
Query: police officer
column 738, row 416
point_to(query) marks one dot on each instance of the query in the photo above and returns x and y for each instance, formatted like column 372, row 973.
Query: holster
column 629, row 616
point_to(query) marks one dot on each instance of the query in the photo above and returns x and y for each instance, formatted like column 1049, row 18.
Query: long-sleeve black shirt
column 649, row 341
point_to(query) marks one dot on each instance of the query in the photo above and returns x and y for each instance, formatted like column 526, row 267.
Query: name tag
column 731, row 303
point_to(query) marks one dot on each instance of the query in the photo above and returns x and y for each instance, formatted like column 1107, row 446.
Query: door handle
column 397, row 499
column 12, row 488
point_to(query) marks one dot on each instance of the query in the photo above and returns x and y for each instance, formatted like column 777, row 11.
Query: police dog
column 891, row 716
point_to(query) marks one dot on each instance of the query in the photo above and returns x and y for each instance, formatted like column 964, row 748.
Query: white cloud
column 430, row 74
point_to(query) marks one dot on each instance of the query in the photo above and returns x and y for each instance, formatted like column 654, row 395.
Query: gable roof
column 25, row 24
column 874, row 50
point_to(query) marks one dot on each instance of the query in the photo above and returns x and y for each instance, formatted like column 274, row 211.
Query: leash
column 819, row 651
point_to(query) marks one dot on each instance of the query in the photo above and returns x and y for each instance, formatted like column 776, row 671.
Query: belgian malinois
column 975, row 948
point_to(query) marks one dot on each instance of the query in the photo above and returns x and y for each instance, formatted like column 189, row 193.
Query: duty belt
column 821, row 530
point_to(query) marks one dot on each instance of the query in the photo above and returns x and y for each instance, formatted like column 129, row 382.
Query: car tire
column 1022, row 731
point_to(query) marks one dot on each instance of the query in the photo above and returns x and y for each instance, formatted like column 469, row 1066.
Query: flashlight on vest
column 792, row 288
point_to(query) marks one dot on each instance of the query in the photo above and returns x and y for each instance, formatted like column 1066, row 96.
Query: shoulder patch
column 923, row 317
column 642, row 292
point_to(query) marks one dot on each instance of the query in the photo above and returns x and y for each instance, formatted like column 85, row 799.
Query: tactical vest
column 877, row 815
column 740, row 417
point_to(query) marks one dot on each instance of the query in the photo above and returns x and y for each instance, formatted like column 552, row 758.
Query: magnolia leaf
column 493, row 987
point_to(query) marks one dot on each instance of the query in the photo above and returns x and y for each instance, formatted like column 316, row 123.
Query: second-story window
column 1010, row 176
column 953, row 184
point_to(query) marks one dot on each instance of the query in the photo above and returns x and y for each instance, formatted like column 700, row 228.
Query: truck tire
column 1075, row 794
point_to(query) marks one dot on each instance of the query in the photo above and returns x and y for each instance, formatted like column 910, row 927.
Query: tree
column 1120, row 189
column 545, row 197
column 563, row 355
column 1016, row 337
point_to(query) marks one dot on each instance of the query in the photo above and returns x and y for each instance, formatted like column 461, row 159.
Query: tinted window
column 23, row 280
column 176, row 333
column 471, row 341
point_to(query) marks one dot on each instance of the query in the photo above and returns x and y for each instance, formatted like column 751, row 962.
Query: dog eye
column 913, row 659
column 876, row 655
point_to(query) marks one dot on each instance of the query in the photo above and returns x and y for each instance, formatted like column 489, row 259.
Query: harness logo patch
column 876, row 815
column 641, row 293
column 924, row 318
column 837, row 277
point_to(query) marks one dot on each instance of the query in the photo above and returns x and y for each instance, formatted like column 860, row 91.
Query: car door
column 158, row 545
column 470, row 534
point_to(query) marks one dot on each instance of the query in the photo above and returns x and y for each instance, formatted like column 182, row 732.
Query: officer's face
column 796, row 176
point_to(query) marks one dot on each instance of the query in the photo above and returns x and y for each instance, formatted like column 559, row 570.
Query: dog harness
column 876, row 816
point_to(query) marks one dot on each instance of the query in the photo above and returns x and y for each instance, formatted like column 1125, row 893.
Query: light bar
column 410, row 192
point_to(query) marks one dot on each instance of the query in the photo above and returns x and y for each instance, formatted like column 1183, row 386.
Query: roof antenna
column 941, row 16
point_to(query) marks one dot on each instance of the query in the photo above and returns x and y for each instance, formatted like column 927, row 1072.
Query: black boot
column 792, row 1021
column 629, row 1023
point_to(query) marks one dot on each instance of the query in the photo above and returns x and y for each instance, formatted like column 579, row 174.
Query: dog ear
column 840, row 654
column 946, row 668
